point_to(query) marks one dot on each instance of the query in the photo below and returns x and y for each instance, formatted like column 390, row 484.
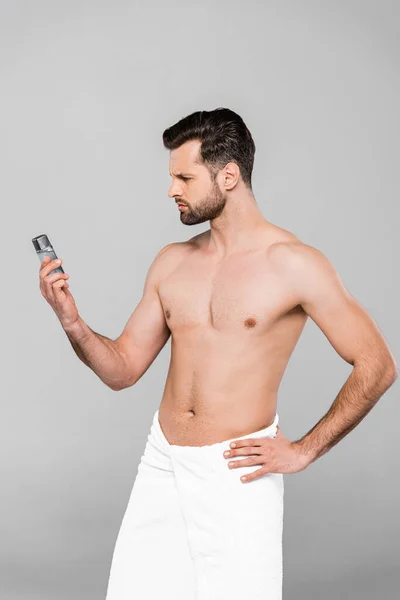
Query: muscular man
column 235, row 300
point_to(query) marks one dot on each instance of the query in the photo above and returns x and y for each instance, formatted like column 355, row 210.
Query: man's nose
column 173, row 190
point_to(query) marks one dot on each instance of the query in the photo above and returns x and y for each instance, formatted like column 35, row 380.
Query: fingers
column 56, row 277
column 51, row 285
column 243, row 450
column 245, row 462
column 255, row 455
column 246, row 442
column 57, row 288
column 56, row 283
column 249, row 461
column 254, row 475
column 59, row 284
column 47, row 265
column 44, row 262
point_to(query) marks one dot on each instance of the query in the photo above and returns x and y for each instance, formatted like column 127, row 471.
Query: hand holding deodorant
column 44, row 248
column 53, row 284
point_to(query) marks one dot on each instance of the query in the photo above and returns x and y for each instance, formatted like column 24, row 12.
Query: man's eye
column 185, row 178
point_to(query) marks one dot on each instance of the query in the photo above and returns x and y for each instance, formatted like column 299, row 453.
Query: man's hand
column 276, row 455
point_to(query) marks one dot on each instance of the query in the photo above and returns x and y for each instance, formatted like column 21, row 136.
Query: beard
column 206, row 210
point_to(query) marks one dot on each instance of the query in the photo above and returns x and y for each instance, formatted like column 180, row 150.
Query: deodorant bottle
column 44, row 248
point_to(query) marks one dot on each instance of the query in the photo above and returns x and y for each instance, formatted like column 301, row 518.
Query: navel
column 167, row 314
column 250, row 322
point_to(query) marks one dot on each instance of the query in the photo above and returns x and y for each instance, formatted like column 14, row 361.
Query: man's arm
column 98, row 352
column 352, row 333
column 119, row 363
column 146, row 331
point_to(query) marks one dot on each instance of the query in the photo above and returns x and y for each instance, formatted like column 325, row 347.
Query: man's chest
column 241, row 293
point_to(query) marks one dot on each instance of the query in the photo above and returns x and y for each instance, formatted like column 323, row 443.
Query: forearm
column 357, row 397
column 99, row 353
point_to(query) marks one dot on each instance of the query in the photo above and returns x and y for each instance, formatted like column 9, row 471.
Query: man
column 235, row 300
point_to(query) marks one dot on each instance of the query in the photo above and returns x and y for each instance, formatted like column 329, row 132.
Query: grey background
column 86, row 90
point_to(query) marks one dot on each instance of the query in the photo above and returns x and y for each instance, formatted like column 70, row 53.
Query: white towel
column 192, row 530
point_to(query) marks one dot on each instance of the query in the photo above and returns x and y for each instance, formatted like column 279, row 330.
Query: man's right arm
column 120, row 363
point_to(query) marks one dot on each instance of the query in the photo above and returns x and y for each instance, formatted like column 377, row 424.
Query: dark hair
column 224, row 138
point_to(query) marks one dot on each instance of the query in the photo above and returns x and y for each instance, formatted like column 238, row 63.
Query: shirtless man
column 235, row 300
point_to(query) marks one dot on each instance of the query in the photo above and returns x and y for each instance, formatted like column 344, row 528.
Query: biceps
column 346, row 324
column 144, row 335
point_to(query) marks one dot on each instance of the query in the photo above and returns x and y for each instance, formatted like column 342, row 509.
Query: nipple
column 250, row 322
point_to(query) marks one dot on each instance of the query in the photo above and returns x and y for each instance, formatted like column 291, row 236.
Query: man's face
column 193, row 186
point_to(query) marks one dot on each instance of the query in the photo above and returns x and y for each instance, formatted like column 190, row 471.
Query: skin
column 234, row 300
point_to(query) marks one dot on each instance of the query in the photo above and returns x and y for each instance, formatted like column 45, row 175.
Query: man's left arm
column 355, row 337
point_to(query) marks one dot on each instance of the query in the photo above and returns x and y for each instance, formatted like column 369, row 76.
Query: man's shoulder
column 295, row 257
column 175, row 250
column 169, row 257
column 178, row 249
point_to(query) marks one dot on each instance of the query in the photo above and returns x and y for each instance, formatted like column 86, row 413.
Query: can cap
column 41, row 242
